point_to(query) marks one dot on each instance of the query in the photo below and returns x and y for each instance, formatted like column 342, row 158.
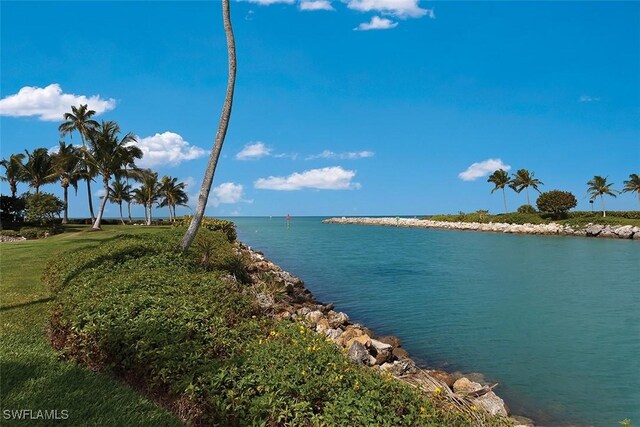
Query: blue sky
column 374, row 107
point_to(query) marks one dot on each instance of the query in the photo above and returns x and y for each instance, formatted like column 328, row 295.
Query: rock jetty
column 591, row 230
column 284, row 296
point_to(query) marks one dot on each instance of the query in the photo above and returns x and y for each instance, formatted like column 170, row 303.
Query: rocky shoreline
column 591, row 230
column 289, row 299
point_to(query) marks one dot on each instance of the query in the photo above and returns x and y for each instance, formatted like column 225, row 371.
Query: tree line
column 104, row 154
column 596, row 187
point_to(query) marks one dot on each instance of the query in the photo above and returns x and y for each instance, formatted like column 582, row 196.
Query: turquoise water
column 554, row 320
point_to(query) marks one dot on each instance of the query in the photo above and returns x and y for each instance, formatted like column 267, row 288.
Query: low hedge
column 137, row 307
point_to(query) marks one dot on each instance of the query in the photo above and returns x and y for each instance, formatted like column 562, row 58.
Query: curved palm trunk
column 96, row 224
column 528, row 202
column 207, row 181
column 149, row 216
column 14, row 188
column 65, row 217
column 129, row 210
column 93, row 217
column 121, row 219
column 504, row 199
column 604, row 212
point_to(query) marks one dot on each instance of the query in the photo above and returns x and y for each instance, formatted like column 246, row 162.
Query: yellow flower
column 422, row 409
column 437, row 390
column 474, row 408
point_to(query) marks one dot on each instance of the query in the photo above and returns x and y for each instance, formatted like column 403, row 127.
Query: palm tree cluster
column 523, row 179
column 104, row 153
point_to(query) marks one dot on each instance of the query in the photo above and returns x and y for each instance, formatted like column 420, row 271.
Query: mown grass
column 32, row 375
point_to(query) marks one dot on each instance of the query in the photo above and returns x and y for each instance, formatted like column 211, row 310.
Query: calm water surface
column 554, row 320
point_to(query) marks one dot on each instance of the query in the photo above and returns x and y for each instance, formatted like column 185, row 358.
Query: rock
column 381, row 351
column 624, row 232
column 333, row 334
column 358, row 353
column 465, row 386
column 607, row 232
column 362, row 339
column 349, row 334
column 443, row 377
column 593, row 229
column 491, row 403
column 636, row 235
column 322, row 325
column 303, row 311
column 400, row 353
column 337, row 319
column 400, row 367
column 391, row 340
column 520, row 421
column 313, row 317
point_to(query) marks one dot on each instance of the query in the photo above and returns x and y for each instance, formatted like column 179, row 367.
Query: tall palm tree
column 39, row 169
column 500, row 179
column 66, row 163
column 110, row 155
column 598, row 186
column 120, row 192
column 173, row 195
column 523, row 179
column 633, row 185
column 79, row 120
column 12, row 171
column 207, row 181
column 148, row 193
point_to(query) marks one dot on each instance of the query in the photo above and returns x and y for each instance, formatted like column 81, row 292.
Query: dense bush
column 213, row 224
column 556, row 202
column 141, row 309
column 31, row 233
column 526, row 209
column 9, row 233
column 42, row 208
column 11, row 209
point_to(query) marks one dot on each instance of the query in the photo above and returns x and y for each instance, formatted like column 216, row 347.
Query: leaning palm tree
column 523, row 179
column 598, row 186
column 633, row 185
column 173, row 195
column 500, row 179
column 66, row 163
column 120, row 192
column 207, row 181
column 110, row 155
column 79, row 120
column 39, row 169
column 12, row 171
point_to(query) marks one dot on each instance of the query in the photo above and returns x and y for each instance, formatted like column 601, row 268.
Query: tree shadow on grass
column 25, row 304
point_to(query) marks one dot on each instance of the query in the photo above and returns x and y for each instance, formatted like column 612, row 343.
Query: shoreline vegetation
column 616, row 228
column 131, row 307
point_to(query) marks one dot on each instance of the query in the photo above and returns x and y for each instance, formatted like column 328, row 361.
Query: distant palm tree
column 148, row 193
column 633, row 185
column 598, row 186
column 79, row 120
column 523, row 179
column 120, row 192
column 207, row 181
column 173, row 195
column 39, row 169
column 500, row 179
column 12, row 171
column 110, row 155
column 66, row 163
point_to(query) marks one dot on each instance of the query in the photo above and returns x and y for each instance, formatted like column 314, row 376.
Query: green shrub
column 42, row 208
column 141, row 309
column 526, row 209
column 9, row 233
column 556, row 202
column 31, row 233
column 212, row 224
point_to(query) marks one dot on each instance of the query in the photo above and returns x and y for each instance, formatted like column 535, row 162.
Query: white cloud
column 189, row 182
column 399, row 8
column 100, row 193
column 227, row 193
column 166, row 148
column 587, row 98
column 328, row 154
column 330, row 178
column 376, row 23
column 270, row 2
column 483, row 168
column 253, row 151
column 49, row 103
column 315, row 5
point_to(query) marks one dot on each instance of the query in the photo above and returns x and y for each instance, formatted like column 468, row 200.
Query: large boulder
column 492, row 404
column 337, row 319
column 594, row 229
column 607, row 232
column 624, row 232
column 400, row 353
column 466, row 386
column 314, row 317
column 391, row 340
column 381, row 351
column 443, row 377
column 358, row 353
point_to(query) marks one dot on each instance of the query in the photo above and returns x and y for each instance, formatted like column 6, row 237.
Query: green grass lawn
column 32, row 376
